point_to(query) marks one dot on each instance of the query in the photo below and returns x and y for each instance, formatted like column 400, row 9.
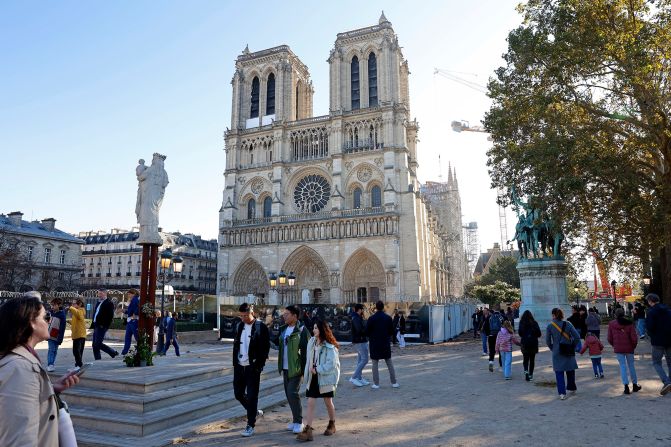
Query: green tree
column 499, row 292
column 504, row 269
column 581, row 122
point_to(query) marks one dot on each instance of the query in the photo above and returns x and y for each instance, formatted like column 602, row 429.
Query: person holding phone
column 29, row 409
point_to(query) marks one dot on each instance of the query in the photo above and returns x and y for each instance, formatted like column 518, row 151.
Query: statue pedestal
column 543, row 284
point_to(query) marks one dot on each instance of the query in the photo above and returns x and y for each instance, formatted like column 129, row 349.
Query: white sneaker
column 247, row 432
column 356, row 382
column 375, row 387
column 298, row 428
column 562, row 397
column 572, row 392
column 290, row 426
column 74, row 370
column 259, row 413
column 364, row 381
column 395, row 385
column 51, row 368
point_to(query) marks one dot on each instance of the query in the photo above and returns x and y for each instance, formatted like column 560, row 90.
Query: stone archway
column 250, row 278
column 364, row 279
column 311, row 272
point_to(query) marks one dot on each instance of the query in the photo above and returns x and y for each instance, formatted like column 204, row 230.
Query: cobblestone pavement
column 449, row 398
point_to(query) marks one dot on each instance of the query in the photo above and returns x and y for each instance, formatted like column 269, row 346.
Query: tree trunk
column 665, row 270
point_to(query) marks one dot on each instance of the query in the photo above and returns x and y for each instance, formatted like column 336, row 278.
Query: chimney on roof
column 15, row 218
column 49, row 224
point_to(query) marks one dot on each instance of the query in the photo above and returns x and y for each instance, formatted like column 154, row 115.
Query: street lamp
column 613, row 283
column 646, row 284
column 167, row 260
column 285, row 282
column 576, row 291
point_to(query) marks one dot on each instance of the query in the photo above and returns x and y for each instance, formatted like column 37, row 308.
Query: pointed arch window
column 270, row 95
column 375, row 196
column 254, row 109
column 372, row 80
column 354, row 70
column 267, row 207
column 356, row 198
column 251, row 209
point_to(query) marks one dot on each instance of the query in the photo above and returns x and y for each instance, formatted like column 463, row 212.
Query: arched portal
column 250, row 278
column 311, row 274
column 363, row 277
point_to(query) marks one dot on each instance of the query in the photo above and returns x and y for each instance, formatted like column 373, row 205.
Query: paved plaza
column 448, row 397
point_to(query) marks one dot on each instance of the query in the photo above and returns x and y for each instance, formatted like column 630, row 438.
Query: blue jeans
column 131, row 330
column 172, row 341
column 657, row 353
column 361, row 359
column 53, row 350
column 596, row 366
column 569, row 384
column 484, row 342
column 507, row 363
column 627, row 360
column 640, row 327
column 99, row 345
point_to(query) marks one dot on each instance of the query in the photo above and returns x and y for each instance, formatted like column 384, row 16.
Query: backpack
column 257, row 328
column 495, row 322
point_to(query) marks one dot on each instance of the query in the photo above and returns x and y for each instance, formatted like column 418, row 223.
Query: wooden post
column 148, row 287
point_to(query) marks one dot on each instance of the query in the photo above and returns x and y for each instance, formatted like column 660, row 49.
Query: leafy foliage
column 504, row 269
column 499, row 292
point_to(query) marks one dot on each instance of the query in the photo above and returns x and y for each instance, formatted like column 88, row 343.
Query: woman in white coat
column 28, row 406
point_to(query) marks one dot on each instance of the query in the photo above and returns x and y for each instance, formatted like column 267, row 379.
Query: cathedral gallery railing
column 320, row 215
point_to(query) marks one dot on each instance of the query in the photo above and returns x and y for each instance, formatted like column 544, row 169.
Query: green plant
column 131, row 358
column 144, row 349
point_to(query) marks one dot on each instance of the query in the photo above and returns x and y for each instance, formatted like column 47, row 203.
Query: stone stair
column 153, row 406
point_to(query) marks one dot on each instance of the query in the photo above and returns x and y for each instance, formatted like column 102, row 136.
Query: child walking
column 56, row 332
column 78, row 326
column 504, row 346
column 595, row 349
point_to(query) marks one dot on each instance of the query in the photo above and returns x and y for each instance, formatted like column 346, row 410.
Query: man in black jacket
column 360, row 343
column 102, row 319
column 250, row 352
column 658, row 325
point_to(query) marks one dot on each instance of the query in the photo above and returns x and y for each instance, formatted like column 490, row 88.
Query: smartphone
column 83, row 369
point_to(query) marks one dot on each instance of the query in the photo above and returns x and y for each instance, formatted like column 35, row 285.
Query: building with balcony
column 334, row 199
column 113, row 260
column 37, row 256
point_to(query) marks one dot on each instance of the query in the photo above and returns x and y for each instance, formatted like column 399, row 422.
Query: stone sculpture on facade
column 152, row 182
column 536, row 234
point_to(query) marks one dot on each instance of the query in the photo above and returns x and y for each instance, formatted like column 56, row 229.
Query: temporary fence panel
column 436, row 324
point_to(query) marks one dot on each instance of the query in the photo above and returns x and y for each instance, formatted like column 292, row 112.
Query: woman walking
column 622, row 337
column 529, row 333
column 322, row 372
column 28, row 402
column 562, row 339
column 504, row 345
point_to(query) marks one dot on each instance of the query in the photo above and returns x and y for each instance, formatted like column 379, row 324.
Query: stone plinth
column 543, row 284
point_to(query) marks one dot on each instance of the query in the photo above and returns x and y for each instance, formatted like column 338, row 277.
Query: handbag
column 565, row 349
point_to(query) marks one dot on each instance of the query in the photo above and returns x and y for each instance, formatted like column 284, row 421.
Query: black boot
column 626, row 389
column 636, row 388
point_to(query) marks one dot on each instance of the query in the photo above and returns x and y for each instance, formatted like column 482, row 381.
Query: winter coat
column 622, row 336
column 553, row 336
column 57, row 326
column 593, row 322
column 105, row 315
column 358, row 329
column 579, row 322
column 380, row 329
column 297, row 345
column 658, row 325
column 505, row 340
column 77, row 323
column 529, row 334
column 399, row 324
column 328, row 366
column 28, row 408
column 593, row 344
column 259, row 344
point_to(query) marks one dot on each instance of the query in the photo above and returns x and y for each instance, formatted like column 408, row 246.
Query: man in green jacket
column 293, row 343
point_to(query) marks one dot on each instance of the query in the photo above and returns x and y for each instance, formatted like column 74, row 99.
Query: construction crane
column 464, row 126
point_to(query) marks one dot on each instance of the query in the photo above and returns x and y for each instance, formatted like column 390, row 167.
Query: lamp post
column 167, row 260
column 613, row 283
column 646, row 284
column 576, row 292
column 285, row 282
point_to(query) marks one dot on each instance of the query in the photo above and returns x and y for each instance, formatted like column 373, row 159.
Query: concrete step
column 165, row 414
column 86, row 437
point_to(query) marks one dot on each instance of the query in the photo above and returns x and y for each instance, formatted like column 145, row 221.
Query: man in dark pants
column 492, row 326
column 132, row 320
column 102, row 319
column 293, row 343
column 250, row 352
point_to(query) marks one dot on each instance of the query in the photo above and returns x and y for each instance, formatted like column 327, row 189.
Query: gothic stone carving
column 365, row 173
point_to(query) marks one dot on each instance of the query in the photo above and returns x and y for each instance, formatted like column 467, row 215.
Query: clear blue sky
column 87, row 88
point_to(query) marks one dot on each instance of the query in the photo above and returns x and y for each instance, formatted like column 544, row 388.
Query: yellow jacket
column 77, row 323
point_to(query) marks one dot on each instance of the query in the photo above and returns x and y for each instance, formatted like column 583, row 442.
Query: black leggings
column 78, row 350
column 529, row 361
column 491, row 341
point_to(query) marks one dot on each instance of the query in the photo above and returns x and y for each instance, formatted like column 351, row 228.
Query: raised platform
column 114, row 405
column 543, row 287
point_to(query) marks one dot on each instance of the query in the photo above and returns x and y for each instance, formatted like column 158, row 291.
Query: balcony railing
column 321, row 215
column 363, row 145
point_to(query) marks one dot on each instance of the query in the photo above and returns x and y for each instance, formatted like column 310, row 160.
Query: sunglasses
column 47, row 317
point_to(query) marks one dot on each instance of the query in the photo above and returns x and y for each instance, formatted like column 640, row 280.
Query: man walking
column 380, row 329
column 133, row 315
column 484, row 317
column 250, row 352
column 492, row 326
column 102, row 319
column 658, row 325
column 171, row 334
column 360, row 343
column 293, row 343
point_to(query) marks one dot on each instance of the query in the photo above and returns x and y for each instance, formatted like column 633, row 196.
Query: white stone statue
column 152, row 182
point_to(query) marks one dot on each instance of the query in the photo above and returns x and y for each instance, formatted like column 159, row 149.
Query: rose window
column 312, row 193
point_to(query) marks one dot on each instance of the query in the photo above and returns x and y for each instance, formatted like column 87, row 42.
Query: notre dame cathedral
column 333, row 200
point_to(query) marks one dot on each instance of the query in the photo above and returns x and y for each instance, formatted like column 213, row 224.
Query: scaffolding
column 472, row 245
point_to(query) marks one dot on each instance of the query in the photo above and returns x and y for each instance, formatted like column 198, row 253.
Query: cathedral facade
column 332, row 200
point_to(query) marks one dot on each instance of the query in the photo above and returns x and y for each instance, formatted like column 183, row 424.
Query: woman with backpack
column 562, row 339
column 529, row 333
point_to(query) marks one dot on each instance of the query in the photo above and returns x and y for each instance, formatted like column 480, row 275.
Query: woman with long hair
column 562, row 339
column 529, row 332
column 28, row 402
column 322, row 372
